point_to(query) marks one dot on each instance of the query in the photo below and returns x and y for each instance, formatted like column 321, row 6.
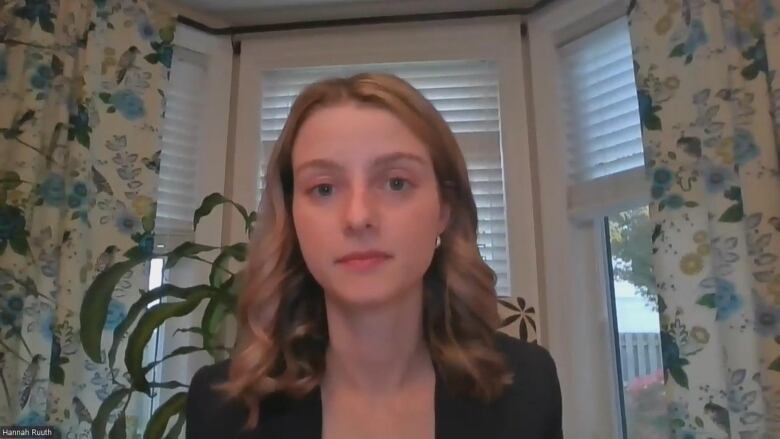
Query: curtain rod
column 313, row 24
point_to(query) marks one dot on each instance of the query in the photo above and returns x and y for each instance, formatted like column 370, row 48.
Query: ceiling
column 247, row 12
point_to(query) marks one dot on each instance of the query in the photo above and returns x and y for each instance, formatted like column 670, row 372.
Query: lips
column 370, row 255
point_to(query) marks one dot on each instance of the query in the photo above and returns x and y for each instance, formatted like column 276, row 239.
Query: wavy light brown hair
column 282, row 325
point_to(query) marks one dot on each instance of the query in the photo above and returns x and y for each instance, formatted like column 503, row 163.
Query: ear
column 444, row 216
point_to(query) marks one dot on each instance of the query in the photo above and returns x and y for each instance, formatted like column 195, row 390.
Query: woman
column 367, row 310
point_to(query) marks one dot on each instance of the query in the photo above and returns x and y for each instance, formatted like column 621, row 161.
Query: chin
column 353, row 296
column 368, row 292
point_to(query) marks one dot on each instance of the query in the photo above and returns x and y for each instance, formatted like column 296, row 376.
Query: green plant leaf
column 56, row 65
column 734, row 193
column 661, row 304
column 9, row 180
column 181, row 350
column 173, row 384
column 707, row 300
column 109, row 404
column 733, row 214
column 135, row 253
column 191, row 329
column 250, row 222
column 94, row 306
column 159, row 420
column 83, row 138
column 119, row 429
column 677, row 51
column 57, row 374
column 751, row 71
column 152, row 58
column 151, row 320
column 209, row 203
column 691, row 145
column 219, row 270
column 213, row 200
column 185, row 250
column 652, row 122
column 19, row 244
column 46, row 24
column 679, row 375
column 775, row 366
column 166, row 34
column 27, row 116
column 213, row 316
column 247, row 218
column 164, row 290
column 148, row 223
column 175, row 431
column 233, row 288
column 656, row 232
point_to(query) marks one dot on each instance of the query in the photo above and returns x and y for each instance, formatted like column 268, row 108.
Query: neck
column 377, row 351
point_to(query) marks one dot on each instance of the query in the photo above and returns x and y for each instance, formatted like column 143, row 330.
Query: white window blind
column 601, row 109
column 176, row 200
column 467, row 95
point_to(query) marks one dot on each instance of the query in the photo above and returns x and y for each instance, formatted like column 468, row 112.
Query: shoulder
column 202, row 387
column 209, row 375
column 535, row 384
column 209, row 412
column 525, row 357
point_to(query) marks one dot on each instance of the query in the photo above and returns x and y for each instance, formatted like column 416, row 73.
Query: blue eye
column 324, row 189
column 398, row 183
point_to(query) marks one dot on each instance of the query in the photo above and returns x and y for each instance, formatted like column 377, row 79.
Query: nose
column 360, row 210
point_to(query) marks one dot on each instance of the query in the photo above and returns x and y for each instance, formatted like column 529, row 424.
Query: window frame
column 574, row 253
column 494, row 39
column 213, row 151
column 211, row 171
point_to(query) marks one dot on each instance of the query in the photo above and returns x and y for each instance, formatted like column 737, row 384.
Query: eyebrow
column 377, row 162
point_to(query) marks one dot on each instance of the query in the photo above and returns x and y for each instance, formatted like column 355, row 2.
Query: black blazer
column 529, row 409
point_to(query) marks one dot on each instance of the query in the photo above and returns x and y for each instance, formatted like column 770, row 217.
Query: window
column 192, row 165
column 176, row 199
column 466, row 94
column 601, row 106
column 181, row 140
column 594, row 216
column 486, row 53
column 153, row 351
column 640, row 361
column 604, row 140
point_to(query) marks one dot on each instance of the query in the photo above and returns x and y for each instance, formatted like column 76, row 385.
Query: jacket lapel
column 288, row 418
column 460, row 417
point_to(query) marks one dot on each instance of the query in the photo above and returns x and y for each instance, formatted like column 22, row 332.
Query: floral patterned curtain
column 709, row 98
column 80, row 110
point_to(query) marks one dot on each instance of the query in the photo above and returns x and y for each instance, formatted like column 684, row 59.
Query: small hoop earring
column 438, row 241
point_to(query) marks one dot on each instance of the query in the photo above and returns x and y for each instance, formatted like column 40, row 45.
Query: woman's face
column 364, row 183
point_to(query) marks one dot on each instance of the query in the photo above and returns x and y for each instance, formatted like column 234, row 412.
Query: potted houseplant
column 149, row 312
